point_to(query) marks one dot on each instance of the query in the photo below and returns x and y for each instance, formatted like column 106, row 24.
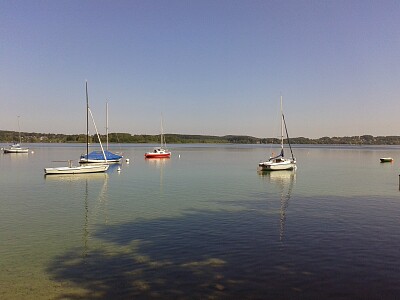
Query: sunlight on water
column 203, row 224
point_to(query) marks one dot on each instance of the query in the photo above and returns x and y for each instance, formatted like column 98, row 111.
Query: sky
column 209, row 67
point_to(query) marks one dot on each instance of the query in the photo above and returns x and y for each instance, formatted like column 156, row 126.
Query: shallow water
column 201, row 225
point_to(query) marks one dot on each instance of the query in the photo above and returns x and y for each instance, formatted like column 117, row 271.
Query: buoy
column 119, row 169
column 127, row 160
column 32, row 152
column 179, row 156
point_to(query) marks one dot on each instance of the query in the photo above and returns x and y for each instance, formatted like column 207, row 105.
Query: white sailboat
column 16, row 147
column 279, row 162
column 70, row 169
column 162, row 151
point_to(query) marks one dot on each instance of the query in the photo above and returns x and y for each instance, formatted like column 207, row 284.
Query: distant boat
column 386, row 159
column 70, row 169
column 162, row 151
column 279, row 162
column 16, row 147
column 97, row 156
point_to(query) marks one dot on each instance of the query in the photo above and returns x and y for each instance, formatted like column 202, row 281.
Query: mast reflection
column 284, row 181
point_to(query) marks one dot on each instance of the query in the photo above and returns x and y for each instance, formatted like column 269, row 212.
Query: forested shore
column 31, row 137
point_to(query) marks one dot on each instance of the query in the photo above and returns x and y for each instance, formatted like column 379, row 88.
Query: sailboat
column 70, row 169
column 97, row 156
column 162, row 151
column 279, row 162
column 16, row 147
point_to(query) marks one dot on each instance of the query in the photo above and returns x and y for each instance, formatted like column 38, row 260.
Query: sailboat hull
column 157, row 155
column 77, row 170
column 277, row 166
column 15, row 148
column 11, row 150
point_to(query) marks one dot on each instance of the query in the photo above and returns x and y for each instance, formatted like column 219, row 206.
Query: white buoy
column 119, row 169
column 32, row 152
column 179, row 156
column 127, row 160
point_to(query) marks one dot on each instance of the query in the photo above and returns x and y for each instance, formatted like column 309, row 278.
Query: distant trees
column 12, row 136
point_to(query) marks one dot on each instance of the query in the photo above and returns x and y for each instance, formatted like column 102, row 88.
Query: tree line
column 26, row 137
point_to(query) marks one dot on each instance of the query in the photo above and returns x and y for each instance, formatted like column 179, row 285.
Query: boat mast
column 87, row 122
column 287, row 134
column 19, row 130
column 107, row 123
column 281, row 126
column 162, row 132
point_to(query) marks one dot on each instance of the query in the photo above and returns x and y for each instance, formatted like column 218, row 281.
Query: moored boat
column 95, row 168
column 158, row 152
column 162, row 151
column 16, row 147
column 279, row 162
column 386, row 159
column 98, row 157
column 70, row 169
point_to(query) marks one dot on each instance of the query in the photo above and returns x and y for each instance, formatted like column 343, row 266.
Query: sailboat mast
column 107, row 123
column 87, row 122
column 281, row 124
column 162, row 132
column 19, row 130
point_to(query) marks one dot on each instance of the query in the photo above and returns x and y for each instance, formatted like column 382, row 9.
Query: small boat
column 279, row 162
column 97, row 156
column 70, row 169
column 16, row 147
column 158, row 152
column 162, row 151
column 386, row 159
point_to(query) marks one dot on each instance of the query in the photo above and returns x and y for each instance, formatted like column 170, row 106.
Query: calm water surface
column 204, row 225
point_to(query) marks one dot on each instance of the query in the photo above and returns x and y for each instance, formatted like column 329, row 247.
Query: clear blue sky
column 211, row 67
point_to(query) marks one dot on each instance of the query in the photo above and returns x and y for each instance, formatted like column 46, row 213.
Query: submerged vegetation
column 12, row 136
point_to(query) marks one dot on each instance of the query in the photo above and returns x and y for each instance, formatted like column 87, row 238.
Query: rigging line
column 97, row 132
column 287, row 135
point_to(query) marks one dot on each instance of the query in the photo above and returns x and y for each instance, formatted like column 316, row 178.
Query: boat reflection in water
column 93, row 190
column 159, row 163
column 284, row 181
column 77, row 177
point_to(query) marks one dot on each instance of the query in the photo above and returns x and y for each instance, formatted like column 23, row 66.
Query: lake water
column 205, row 225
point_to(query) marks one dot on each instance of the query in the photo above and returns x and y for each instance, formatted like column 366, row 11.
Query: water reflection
column 99, row 207
column 15, row 157
column 87, row 185
column 284, row 181
column 77, row 177
column 159, row 163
